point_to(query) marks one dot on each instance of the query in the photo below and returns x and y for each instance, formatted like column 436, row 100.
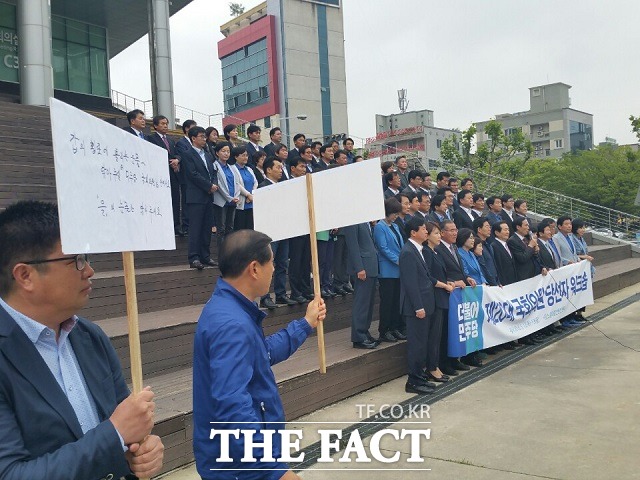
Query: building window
column 559, row 143
column 439, row 143
column 245, row 77
column 510, row 131
column 536, row 92
column 412, row 144
column 267, row 122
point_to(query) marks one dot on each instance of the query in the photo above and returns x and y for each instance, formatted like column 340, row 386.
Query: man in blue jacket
column 233, row 385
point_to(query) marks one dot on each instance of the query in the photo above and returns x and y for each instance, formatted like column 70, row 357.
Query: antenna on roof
column 403, row 102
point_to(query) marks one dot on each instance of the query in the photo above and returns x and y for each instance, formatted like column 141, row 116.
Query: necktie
column 166, row 143
column 507, row 249
column 141, row 135
column 453, row 252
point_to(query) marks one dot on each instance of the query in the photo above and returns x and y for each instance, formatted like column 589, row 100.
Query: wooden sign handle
column 132, row 316
column 315, row 270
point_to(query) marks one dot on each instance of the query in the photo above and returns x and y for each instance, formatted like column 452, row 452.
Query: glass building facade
column 581, row 136
column 80, row 61
column 245, row 78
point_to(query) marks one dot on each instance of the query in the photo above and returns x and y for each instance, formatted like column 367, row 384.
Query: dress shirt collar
column 33, row 329
column 417, row 245
column 503, row 243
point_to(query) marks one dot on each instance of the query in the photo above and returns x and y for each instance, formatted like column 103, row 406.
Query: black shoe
column 508, row 346
column 526, row 341
column 433, row 378
column 299, row 299
column 309, row 296
column 180, row 233
column 449, row 371
column 348, row 288
column 424, row 389
column 472, row 361
column 324, row 294
column 331, row 293
column 197, row 264
column 399, row 335
column 372, row 339
column 558, row 329
column 537, row 340
column 210, row 263
column 268, row 303
column 284, row 300
column 388, row 337
column 340, row 291
column 366, row 345
column 455, row 363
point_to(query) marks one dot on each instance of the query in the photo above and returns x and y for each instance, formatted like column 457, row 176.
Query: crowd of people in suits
column 433, row 238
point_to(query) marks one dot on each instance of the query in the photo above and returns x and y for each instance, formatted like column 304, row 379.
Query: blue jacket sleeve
column 281, row 345
column 382, row 242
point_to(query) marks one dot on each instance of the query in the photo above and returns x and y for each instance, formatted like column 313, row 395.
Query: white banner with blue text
column 483, row 317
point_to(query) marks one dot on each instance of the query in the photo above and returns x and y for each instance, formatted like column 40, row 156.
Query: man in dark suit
column 161, row 126
column 363, row 264
column 253, row 132
column 136, row 123
column 299, row 141
column 464, row 216
column 494, row 204
column 548, row 255
column 525, row 250
column 415, row 181
column 505, row 264
column 183, row 145
column 65, row 409
column 276, row 139
column 202, row 181
column 507, row 211
column 326, row 158
column 393, row 184
column 455, row 273
column 417, row 304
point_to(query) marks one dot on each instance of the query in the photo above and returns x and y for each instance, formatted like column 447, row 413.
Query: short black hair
column 315, row 144
column 304, row 148
column 388, row 177
column 29, row 230
column 492, row 199
column 477, row 196
column 298, row 136
column 413, row 225
column 392, row 205
column 400, row 157
column 133, row 114
column 235, row 151
column 452, row 180
column 268, row 163
column 337, row 154
column 220, row 145
column 463, row 235
column 518, row 221
column 497, row 227
column 437, row 200
column 463, row 193
column 563, row 219
column 478, row 223
column 195, row 131
column 241, row 248
column 187, row 124
column 386, row 166
column 295, row 161
column 506, row 197
column 443, row 190
column 228, row 129
column 420, row 196
column 466, row 180
column 324, row 148
column 442, row 176
column 257, row 156
column 273, row 131
column 518, row 202
column 208, row 131
column 348, row 139
column 544, row 224
column 158, row 118
column 253, row 128
column 413, row 174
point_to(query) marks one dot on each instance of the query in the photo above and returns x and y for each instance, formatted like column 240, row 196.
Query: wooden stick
column 132, row 315
column 315, row 269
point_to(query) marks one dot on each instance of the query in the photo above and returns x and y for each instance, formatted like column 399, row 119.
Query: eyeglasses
column 82, row 260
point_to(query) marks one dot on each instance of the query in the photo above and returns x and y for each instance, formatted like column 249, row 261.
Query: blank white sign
column 113, row 188
column 342, row 196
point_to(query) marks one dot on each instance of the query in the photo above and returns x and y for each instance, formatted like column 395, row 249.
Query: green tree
column 503, row 155
column 607, row 176
column 236, row 9
column 635, row 125
column 450, row 152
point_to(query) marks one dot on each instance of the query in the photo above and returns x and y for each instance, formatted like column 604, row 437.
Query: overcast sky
column 467, row 60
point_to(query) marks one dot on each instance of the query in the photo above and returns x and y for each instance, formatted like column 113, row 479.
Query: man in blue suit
column 202, row 182
column 65, row 409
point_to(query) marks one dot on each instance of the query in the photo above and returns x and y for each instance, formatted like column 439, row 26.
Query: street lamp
column 302, row 116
